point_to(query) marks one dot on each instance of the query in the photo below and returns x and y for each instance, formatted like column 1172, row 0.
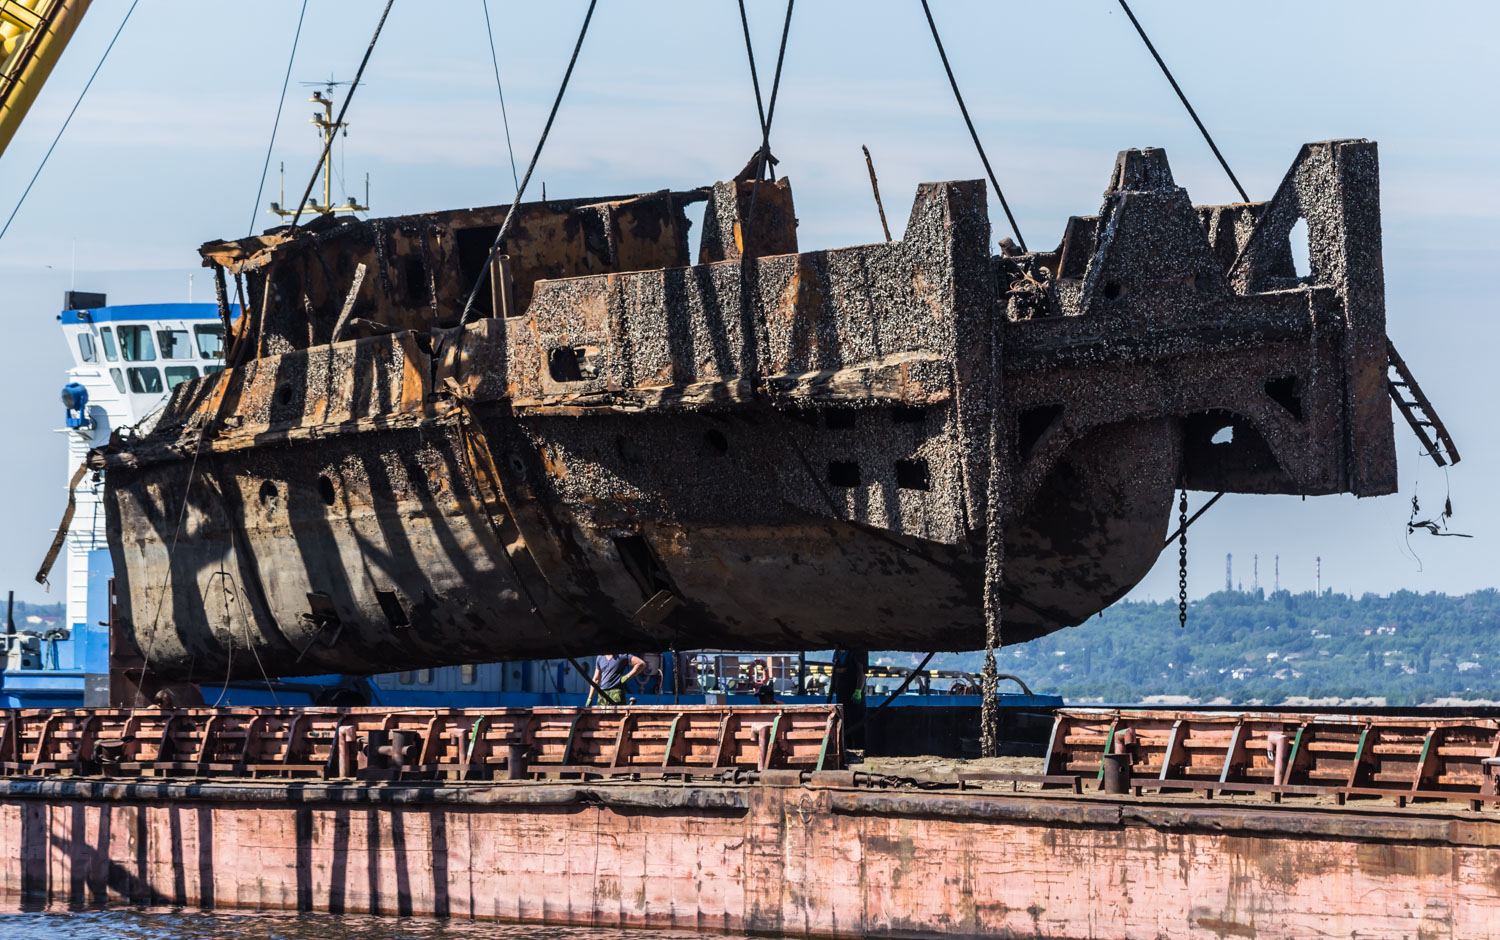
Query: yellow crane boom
column 33, row 34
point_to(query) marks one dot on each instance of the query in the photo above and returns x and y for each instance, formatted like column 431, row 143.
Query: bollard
column 515, row 762
column 108, row 752
column 348, row 762
column 1116, row 773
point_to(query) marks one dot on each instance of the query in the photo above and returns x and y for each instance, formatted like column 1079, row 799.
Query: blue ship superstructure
column 125, row 360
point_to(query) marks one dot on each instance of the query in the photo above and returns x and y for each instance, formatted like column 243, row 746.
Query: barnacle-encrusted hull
column 770, row 449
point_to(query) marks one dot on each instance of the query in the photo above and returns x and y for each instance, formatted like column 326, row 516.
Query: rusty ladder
column 1418, row 411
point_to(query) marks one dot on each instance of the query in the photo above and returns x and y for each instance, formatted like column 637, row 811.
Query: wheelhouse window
column 107, row 338
column 136, row 345
column 119, row 378
column 210, row 341
column 176, row 375
column 468, row 674
column 175, row 344
column 210, row 370
column 86, row 347
column 144, row 380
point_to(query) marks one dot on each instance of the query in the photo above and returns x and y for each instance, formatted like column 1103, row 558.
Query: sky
column 166, row 153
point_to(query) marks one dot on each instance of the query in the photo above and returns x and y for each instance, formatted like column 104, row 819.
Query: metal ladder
column 1418, row 411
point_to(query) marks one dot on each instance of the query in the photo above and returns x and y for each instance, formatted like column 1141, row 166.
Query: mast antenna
column 328, row 128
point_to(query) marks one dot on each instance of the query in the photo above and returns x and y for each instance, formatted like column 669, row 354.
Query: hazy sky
column 166, row 153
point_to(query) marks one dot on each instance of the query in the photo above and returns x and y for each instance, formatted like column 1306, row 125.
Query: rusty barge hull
column 787, row 861
column 766, row 450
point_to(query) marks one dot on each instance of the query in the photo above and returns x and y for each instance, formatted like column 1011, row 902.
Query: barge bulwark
column 803, row 860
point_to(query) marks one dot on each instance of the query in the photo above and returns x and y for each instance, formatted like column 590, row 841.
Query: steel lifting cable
column 484, row 271
column 1185, row 521
column 754, row 77
column 280, row 104
column 972, row 133
column 504, row 118
column 87, row 85
column 770, row 115
column 1183, row 98
column 353, row 87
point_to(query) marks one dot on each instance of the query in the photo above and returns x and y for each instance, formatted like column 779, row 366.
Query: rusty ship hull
column 769, row 449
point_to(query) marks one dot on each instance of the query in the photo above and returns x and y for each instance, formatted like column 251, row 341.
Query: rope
column 344, row 109
column 972, row 133
column 87, row 85
column 1183, row 98
column 484, row 271
column 281, row 103
column 504, row 119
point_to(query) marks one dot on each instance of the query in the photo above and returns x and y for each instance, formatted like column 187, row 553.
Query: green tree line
column 1247, row 647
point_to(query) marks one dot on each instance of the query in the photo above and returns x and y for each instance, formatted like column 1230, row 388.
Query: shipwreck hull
column 766, row 450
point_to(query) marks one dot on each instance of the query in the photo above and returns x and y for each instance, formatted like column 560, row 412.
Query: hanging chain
column 1182, row 560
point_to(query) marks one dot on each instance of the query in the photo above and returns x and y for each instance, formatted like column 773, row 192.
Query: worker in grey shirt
column 611, row 672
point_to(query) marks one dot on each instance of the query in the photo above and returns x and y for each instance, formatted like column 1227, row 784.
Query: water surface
column 165, row 923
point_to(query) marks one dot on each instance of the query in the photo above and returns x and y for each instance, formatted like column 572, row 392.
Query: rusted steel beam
column 419, row 743
column 765, row 449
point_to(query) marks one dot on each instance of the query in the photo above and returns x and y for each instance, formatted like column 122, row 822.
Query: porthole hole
column 913, row 474
column 1224, row 435
column 1113, row 290
column 390, row 605
column 717, row 440
column 267, row 493
column 326, row 491
column 843, row 473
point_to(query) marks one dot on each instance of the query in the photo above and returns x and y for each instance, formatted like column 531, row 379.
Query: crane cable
column 87, row 85
column 972, row 133
column 1185, row 522
column 280, row 103
column 1183, row 98
column 754, row 78
column 484, row 270
column 344, row 109
column 763, row 157
column 504, row 119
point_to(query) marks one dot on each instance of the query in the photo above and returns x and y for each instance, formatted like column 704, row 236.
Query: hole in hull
column 913, row 474
column 843, row 473
column 1283, row 391
column 390, row 605
column 1301, row 252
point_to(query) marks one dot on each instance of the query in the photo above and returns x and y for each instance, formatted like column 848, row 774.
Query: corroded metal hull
column 770, row 449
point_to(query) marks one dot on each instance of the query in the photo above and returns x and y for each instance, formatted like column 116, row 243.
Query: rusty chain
column 1182, row 520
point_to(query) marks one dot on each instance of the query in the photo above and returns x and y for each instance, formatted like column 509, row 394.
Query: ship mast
column 328, row 128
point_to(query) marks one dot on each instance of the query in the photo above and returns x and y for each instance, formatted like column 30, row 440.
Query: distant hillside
column 1249, row 648
column 46, row 614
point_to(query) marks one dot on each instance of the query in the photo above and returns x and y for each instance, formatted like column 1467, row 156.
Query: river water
column 160, row 923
